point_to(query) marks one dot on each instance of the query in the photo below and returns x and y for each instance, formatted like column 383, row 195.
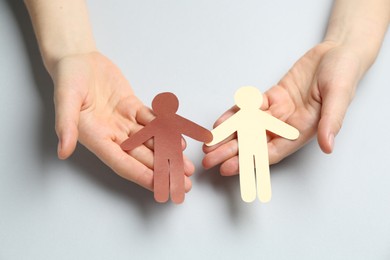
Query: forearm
column 359, row 25
column 62, row 28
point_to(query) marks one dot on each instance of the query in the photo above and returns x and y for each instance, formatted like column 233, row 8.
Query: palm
column 296, row 99
column 319, row 80
column 109, row 113
column 110, row 109
column 315, row 80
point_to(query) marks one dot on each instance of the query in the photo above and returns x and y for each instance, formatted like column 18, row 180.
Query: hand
column 313, row 97
column 95, row 104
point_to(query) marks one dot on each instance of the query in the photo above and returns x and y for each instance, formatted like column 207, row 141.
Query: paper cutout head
column 248, row 97
column 166, row 130
column 165, row 103
column 251, row 125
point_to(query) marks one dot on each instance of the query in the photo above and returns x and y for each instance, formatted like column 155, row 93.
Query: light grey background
column 323, row 207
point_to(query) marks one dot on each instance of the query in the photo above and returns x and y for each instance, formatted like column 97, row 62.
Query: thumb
column 336, row 98
column 67, row 112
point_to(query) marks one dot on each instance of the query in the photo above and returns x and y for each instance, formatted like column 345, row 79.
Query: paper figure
column 167, row 129
column 251, row 125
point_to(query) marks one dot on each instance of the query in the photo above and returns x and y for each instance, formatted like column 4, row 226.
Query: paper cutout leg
column 161, row 180
column 263, row 177
column 247, row 176
column 176, row 166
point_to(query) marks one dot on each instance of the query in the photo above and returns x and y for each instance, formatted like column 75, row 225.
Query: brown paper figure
column 251, row 125
column 167, row 129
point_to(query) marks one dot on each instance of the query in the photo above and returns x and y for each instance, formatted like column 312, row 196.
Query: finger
column 183, row 144
column 230, row 167
column 134, row 128
column 207, row 149
column 221, row 154
column 335, row 102
column 225, row 116
column 144, row 115
column 123, row 164
column 279, row 148
column 67, row 112
column 187, row 184
column 265, row 104
column 126, row 166
column 189, row 167
column 220, row 120
column 144, row 155
column 278, row 103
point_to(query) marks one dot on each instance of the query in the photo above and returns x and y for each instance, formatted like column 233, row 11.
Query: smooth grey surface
column 323, row 207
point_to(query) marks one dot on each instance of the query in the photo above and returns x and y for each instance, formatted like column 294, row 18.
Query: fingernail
column 331, row 141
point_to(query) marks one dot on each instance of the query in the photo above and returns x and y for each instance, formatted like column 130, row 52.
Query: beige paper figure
column 251, row 125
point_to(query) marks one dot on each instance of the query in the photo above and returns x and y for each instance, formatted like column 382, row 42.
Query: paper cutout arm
column 194, row 130
column 228, row 127
column 138, row 138
column 280, row 128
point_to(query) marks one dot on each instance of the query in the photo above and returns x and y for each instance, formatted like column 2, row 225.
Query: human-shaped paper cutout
column 167, row 129
column 251, row 125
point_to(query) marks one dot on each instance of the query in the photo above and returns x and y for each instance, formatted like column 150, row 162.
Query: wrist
column 365, row 40
column 359, row 26
column 53, row 53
